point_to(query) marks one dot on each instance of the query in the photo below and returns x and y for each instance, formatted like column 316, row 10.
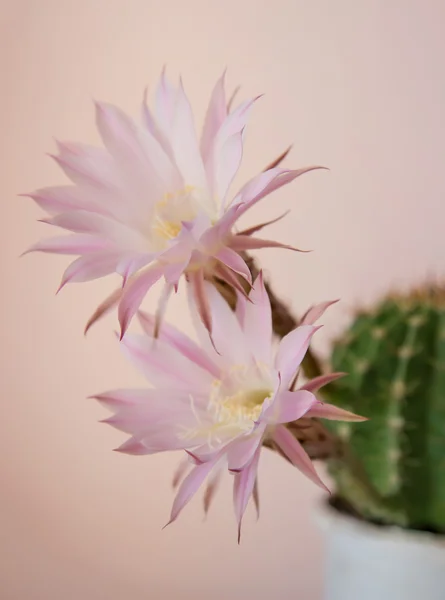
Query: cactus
column 395, row 357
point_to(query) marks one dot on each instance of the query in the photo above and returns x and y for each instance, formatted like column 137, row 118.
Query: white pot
column 368, row 562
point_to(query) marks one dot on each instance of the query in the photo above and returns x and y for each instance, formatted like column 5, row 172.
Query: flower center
column 172, row 211
column 235, row 404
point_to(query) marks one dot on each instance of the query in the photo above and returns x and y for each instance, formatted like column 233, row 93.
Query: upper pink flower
column 219, row 402
column 156, row 199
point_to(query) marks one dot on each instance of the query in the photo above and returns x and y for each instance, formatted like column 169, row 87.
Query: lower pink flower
column 220, row 399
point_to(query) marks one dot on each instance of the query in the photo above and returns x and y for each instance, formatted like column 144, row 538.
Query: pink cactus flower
column 154, row 202
column 220, row 401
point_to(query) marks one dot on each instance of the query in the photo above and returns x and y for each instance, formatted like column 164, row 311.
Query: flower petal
column 88, row 267
column 87, row 166
column 315, row 312
column 316, row 383
column 133, row 262
column 70, row 244
column 289, row 406
column 243, row 487
column 242, row 243
column 241, row 451
column 115, row 399
column 228, row 149
column 164, row 366
column 185, row 144
column 134, row 292
column 189, row 487
column 150, row 123
column 291, row 351
column 216, row 113
column 134, row 447
column 333, row 413
column 257, row 323
column 165, row 104
column 255, row 228
column 180, row 472
column 265, row 183
column 278, row 160
column 227, row 335
column 81, row 221
column 227, row 164
column 233, row 260
column 294, row 451
column 180, row 341
column 211, row 489
column 158, row 419
column 199, row 289
column 136, row 151
column 104, row 308
column 65, row 198
column 231, row 279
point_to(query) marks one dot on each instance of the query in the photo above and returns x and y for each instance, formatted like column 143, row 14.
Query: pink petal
column 134, row 447
column 185, row 144
column 255, row 228
column 81, row 221
column 136, row 150
column 88, row 267
column 115, row 399
column 180, row 341
column 158, row 419
column 296, row 454
column 256, row 498
column 70, row 244
column 211, row 489
column 240, row 309
column 315, row 312
column 180, row 472
column 291, row 351
column 161, row 308
column 232, row 98
column 216, row 113
column 189, row 487
column 227, row 334
column 174, row 271
column 215, row 236
column 241, row 451
column 164, row 366
column 257, row 324
column 226, row 164
column 87, row 166
column 135, row 292
column 133, row 262
column 231, row 279
column 278, row 160
column 243, row 488
column 233, row 260
column 104, row 308
column 201, row 299
column 289, row 406
column 242, row 243
column 265, row 183
column 318, row 382
column 165, row 104
column 333, row 413
column 228, row 149
column 152, row 126
column 65, row 198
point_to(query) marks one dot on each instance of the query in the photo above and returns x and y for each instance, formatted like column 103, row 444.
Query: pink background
column 356, row 86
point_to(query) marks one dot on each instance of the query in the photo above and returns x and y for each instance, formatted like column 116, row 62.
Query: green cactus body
column 395, row 357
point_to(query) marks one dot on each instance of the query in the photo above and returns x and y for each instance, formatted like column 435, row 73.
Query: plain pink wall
column 357, row 86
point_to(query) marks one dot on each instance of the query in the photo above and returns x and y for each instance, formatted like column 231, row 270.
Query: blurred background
column 356, row 86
